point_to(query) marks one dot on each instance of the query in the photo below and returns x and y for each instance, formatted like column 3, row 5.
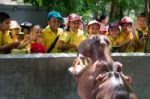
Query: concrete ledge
column 40, row 55
column 45, row 76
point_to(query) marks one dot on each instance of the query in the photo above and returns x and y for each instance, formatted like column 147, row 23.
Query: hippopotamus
column 101, row 77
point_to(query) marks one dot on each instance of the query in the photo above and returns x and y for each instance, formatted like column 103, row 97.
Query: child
column 52, row 33
column 6, row 43
column 26, row 41
column 73, row 35
column 15, row 29
column 113, row 35
column 126, row 40
column 141, row 33
column 26, row 27
column 104, row 19
column 36, row 32
column 93, row 28
column 36, row 45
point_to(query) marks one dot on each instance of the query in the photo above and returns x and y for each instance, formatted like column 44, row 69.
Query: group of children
column 23, row 38
column 28, row 38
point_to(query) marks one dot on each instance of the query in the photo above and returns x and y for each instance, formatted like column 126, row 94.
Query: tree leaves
column 95, row 7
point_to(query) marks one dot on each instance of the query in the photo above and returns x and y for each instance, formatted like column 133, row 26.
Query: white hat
column 93, row 22
column 14, row 24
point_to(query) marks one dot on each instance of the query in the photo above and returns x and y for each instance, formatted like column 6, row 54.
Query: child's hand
column 27, row 38
column 144, row 37
column 73, row 46
column 15, row 44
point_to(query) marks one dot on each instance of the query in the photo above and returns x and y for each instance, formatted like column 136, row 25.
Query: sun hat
column 113, row 25
column 26, row 24
column 93, row 22
column 55, row 14
column 74, row 17
column 126, row 19
column 14, row 24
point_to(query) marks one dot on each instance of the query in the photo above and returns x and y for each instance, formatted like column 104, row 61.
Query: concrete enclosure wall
column 45, row 76
column 23, row 13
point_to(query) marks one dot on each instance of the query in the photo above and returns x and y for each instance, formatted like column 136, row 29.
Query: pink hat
column 126, row 19
column 74, row 17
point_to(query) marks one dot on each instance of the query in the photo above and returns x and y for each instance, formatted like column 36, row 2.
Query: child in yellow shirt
column 73, row 35
column 6, row 43
column 127, row 38
column 15, row 30
column 36, row 45
column 52, row 33
column 93, row 28
column 141, row 33
column 113, row 35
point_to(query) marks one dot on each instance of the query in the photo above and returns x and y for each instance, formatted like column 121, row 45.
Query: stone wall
column 45, row 76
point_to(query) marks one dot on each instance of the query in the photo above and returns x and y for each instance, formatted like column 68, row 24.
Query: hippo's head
column 94, row 47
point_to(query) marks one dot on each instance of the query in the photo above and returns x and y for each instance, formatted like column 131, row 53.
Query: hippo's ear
column 129, row 79
column 85, row 48
column 104, row 40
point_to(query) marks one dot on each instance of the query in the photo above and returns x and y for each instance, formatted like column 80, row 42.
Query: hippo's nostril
column 116, row 75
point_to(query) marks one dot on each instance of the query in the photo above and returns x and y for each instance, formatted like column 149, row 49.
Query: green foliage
column 91, row 8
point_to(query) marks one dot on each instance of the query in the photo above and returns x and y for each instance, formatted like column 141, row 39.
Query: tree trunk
column 116, row 12
column 113, row 12
column 147, row 11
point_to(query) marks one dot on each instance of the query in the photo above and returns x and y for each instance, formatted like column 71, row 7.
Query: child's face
column 37, row 30
column 75, row 25
column 54, row 23
column 142, row 22
column 94, row 29
column 126, row 27
column 14, row 32
column 106, row 20
column 114, row 32
column 4, row 26
column 25, row 31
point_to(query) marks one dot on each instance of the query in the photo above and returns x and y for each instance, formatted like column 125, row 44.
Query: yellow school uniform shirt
column 114, row 41
column 88, row 35
column 49, row 37
column 140, row 45
column 1, row 38
column 5, row 38
column 123, row 38
column 14, row 39
column 71, row 37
